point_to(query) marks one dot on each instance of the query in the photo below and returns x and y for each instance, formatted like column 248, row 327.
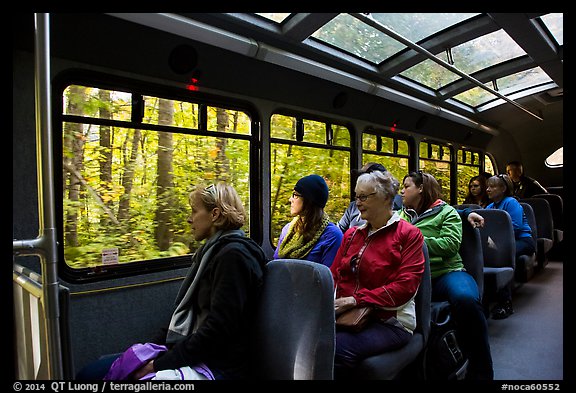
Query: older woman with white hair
column 379, row 264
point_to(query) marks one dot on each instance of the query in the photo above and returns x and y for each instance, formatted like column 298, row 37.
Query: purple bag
column 138, row 355
column 132, row 359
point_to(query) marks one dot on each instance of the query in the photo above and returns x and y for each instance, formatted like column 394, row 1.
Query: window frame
column 301, row 117
column 181, row 93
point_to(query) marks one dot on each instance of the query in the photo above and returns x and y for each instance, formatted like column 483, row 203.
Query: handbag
column 354, row 319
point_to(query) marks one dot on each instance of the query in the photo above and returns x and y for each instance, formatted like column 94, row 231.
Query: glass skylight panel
column 485, row 51
column 555, row 23
column 274, row 16
column 475, row 96
column 522, row 80
column 417, row 25
column 506, row 86
column 431, row 74
column 351, row 35
column 468, row 57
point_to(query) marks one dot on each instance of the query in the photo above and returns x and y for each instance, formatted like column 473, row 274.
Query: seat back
column 472, row 206
column 497, row 237
column 557, row 207
column 471, row 253
column 390, row 365
column 529, row 212
column 543, row 214
column 294, row 334
column 499, row 252
column 525, row 264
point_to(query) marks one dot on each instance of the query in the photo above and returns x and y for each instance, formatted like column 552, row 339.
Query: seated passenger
column 477, row 192
column 351, row 216
column 310, row 235
column 441, row 226
column 523, row 186
column 210, row 328
column 500, row 192
column 379, row 263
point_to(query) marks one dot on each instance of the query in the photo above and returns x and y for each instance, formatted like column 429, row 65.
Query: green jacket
column 441, row 226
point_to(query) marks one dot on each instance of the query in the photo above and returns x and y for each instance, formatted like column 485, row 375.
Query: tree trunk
column 105, row 155
column 165, row 183
column 128, row 176
column 74, row 140
column 222, row 164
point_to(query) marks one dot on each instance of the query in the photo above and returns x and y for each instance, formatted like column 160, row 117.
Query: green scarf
column 293, row 245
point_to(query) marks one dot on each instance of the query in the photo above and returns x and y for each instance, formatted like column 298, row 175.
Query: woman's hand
column 144, row 370
column 476, row 220
column 343, row 304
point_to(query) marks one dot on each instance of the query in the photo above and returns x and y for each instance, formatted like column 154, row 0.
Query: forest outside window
column 300, row 147
column 468, row 162
column 125, row 185
column 435, row 159
column 389, row 150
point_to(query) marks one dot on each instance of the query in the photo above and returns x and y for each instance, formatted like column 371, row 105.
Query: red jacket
column 383, row 269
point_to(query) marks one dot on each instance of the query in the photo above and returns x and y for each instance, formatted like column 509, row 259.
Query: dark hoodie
column 226, row 298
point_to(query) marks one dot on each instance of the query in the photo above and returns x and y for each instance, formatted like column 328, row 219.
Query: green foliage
column 291, row 162
column 111, row 194
column 93, row 218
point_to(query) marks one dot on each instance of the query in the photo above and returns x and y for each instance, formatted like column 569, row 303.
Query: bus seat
column 471, row 253
column 557, row 206
column 545, row 228
column 33, row 358
column 556, row 190
column 526, row 264
column 408, row 359
column 294, row 336
column 498, row 251
column 472, row 206
column 473, row 261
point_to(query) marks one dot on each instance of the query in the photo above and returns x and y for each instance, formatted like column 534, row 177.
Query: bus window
column 390, row 151
column 468, row 163
column 435, row 158
column 224, row 120
column 170, row 112
column 556, row 159
column 300, row 147
column 489, row 165
column 126, row 185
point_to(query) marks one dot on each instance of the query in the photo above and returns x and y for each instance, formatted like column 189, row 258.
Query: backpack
column 443, row 357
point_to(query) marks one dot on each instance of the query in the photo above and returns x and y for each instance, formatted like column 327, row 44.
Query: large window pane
column 435, row 159
column 293, row 158
column 468, row 167
column 392, row 152
column 125, row 189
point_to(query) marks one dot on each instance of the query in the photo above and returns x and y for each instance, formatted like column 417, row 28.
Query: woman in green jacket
column 441, row 226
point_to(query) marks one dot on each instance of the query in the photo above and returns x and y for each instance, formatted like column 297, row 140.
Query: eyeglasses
column 296, row 196
column 363, row 198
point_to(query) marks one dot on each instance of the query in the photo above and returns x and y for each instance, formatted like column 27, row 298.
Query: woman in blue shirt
column 500, row 191
column 310, row 235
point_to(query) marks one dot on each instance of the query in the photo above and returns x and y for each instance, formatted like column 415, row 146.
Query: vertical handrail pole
column 46, row 204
